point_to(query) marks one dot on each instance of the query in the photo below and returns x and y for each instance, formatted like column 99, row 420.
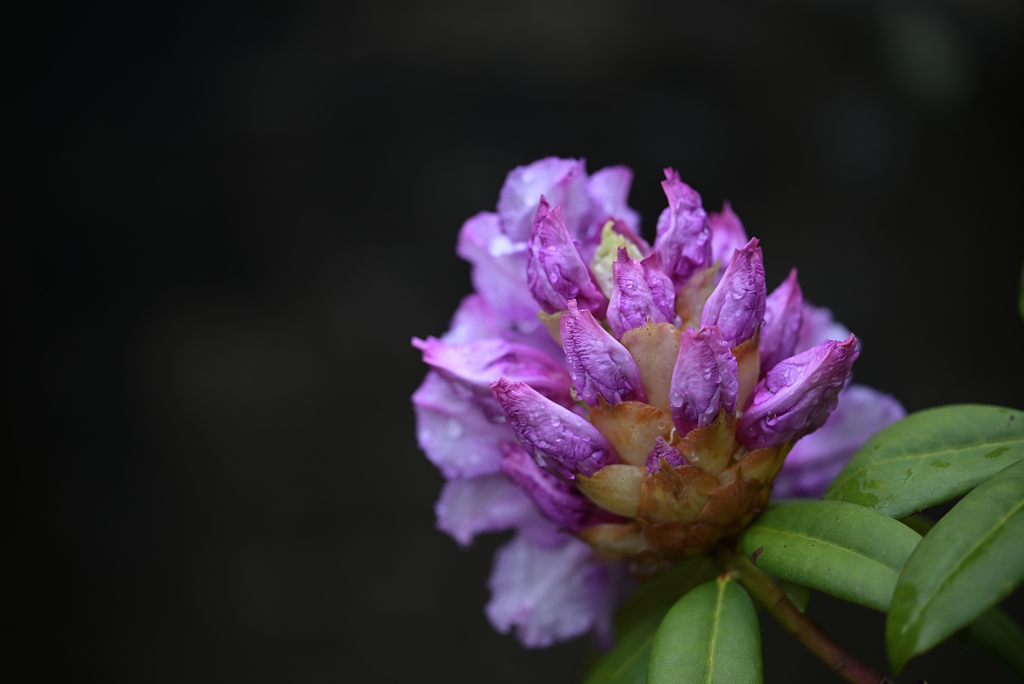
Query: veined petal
column 599, row 365
column 499, row 272
column 488, row 503
column 727, row 234
column 639, row 291
column 478, row 364
column 473, row 320
column 454, row 432
column 557, row 500
column 796, row 396
column 550, row 594
column 817, row 458
column 555, row 271
column 705, row 379
column 562, row 181
column 609, row 193
column 783, row 317
column 683, row 242
column 560, row 440
column 737, row 304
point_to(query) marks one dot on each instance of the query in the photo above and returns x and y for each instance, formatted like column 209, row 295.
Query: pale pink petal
column 550, row 594
column 454, row 432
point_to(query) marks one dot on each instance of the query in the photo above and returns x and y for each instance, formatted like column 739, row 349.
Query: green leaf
column 798, row 594
column 627, row 662
column 639, row 617
column 997, row 633
column 710, row 635
column 661, row 591
column 930, row 457
column 967, row 563
column 842, row 549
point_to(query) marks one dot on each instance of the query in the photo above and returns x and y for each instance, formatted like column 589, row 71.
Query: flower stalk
column 763, row 589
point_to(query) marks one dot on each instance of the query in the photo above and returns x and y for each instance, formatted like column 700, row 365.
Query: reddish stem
column 764, row 591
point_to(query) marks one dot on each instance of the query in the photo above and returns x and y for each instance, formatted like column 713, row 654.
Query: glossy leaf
column 970, row 560
column 798, row 594
column 997, row 633
column 664, row 589
column 842, row 549
column 709, row 635
column 930, row 457
column 626, row 663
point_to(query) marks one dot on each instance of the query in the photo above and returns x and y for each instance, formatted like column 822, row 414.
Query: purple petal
column 560, row 440
column 476, row 365
column 662, row 450
column 499, row 273
column 609, row 192
column 559, row 501
column 550, row 594
column 818, row 325
column 796, row 396
column 683, row 242
column 599, row 365
column 454, row 432
column 555, row 271
column 727, row 234
column 639, row 291
column 489, row 503
column 783, row 317
column 473, row 320
column 562, row 181
column 737, row 304
column 705, row 379
column 817, row 458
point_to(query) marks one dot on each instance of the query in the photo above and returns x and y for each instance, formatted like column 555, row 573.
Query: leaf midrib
column 827, row 543
column 714, row 632
column 836, row 484
column 963, row 559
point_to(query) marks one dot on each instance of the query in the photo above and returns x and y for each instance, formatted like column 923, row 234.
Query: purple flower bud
column 599, row 365
column 639, row 291
column 817, row 458
column 705, row 379
column 683, row 242
column 559, row 501
column 476, row 365
column 783, row 317
column 555, row 271
column 737, row 304
column 563, row 181
column 727, row 234
column 560, row 440
column 797, row 395
column 662, row 450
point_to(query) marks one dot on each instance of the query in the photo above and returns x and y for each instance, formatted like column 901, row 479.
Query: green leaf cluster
column 862, row 543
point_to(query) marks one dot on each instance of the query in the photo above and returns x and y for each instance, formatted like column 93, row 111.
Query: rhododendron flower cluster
column 619, row 404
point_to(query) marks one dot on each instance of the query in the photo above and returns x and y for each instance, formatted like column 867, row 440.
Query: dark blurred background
column 231, row 220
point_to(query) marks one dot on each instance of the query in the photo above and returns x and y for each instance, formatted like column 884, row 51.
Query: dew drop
column 555, row 422
column 453, row 429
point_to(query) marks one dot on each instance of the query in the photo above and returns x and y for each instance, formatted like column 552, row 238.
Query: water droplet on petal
column 453, row 429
